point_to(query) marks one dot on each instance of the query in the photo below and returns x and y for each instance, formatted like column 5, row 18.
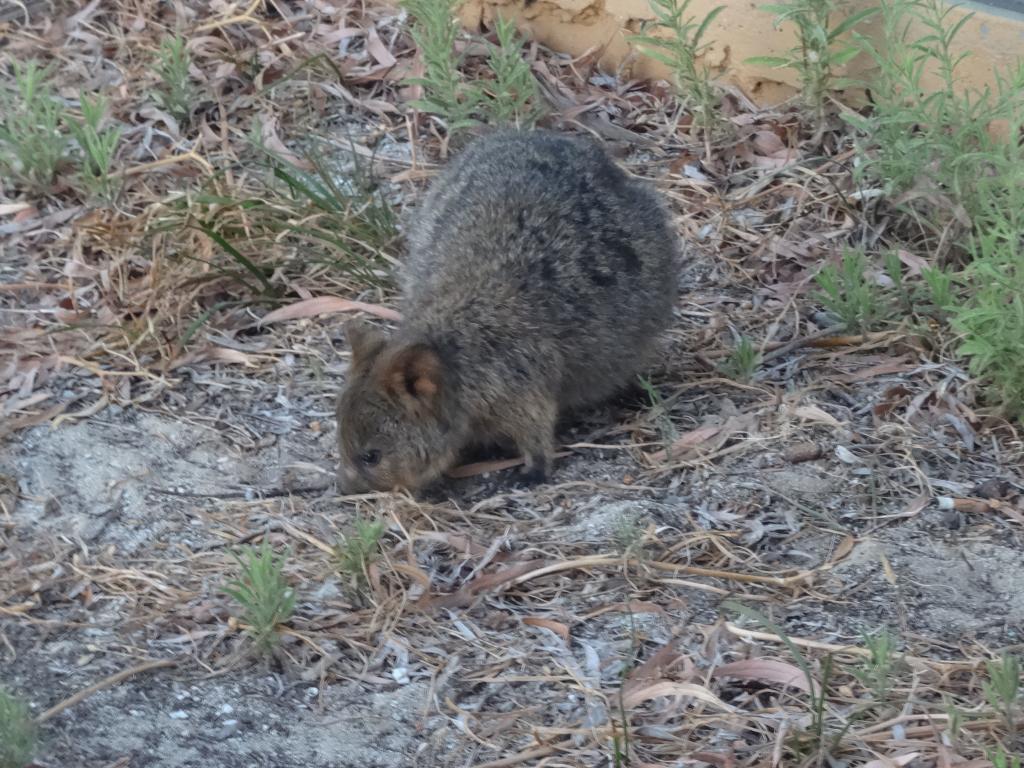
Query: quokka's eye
column 369, row 458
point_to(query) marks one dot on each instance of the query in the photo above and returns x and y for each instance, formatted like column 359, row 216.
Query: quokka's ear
column 364, row 340
column 414, row 376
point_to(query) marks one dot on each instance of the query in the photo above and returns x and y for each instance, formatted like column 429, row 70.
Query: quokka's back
column 539, row 278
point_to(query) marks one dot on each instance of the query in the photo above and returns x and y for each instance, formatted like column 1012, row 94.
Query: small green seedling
column 814, row 739
column 360, row 548
column 681, row 47
column 819, row 52
column 17, row 732
column 32, row 144
column 743, row 361
column 263, row 593
column 514, row 98
column 98, row 147
column 628, row 535
column 940, row 287
column 955, row 720
column 659, row 412
column 1000, row 758
column 848, row 294
column 176, row 93
column 876, row 670
column 434, row 30
column 991, row 319
column 1003, row 688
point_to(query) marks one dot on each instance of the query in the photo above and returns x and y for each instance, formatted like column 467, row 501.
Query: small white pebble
column 401, row 675
column 225, row 709
column 178, row 714
column 312, row 691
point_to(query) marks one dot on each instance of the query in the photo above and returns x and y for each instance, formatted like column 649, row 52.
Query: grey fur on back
column 538, row 245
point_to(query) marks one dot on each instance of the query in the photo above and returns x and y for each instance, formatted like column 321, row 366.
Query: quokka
column 539, row 278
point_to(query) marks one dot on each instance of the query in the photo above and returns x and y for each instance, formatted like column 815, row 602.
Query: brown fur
column 538, row 279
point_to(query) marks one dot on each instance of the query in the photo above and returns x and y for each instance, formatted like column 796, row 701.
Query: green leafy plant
column 934, row 143
column 176, row 94
column 848, row 294
column 820, row 49
column 1000, row 758
column 98, row 146
column 628, row 536
column 681, row 47
column 876, row 671
column 940, row 287
column 511, row 97
column 955, row 721
column 263, row 593
column 1003, row 688
column 434, row 30
column 358, row 551
column 743, row 362
column 514, row 96
column 621, row 740
column 17, row 732
column 991, row 318
column 32, row 144
column 931, row 153
column 328, row 215
column 659, row 412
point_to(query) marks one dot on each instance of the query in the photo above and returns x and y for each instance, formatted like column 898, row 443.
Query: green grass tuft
column 176, row 93
column 98, row 145
column 742, row 362
column 848, row 294
column 32, row 142
column 820, row 49
column 681, row 47
column 263, row 594
column 358, row 551
column 1003, row 688
column 510, row 98
column 17, row 732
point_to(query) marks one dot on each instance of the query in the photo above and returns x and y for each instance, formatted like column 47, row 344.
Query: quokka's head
column 392, row 430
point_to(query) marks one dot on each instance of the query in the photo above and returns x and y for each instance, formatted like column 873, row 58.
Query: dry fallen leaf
column 887, row 571
column 689, row 440
column 768, row 671
column 846, row 456
column 666, row 688
column 890, row 762
column 270, row 139
column 8, row 208
column 899, row 365
column 557, row 627
column 325, row 305
column 213, row 354
column 914, row 263
column 667, row 661
column 816, row 414
column 378, row 50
